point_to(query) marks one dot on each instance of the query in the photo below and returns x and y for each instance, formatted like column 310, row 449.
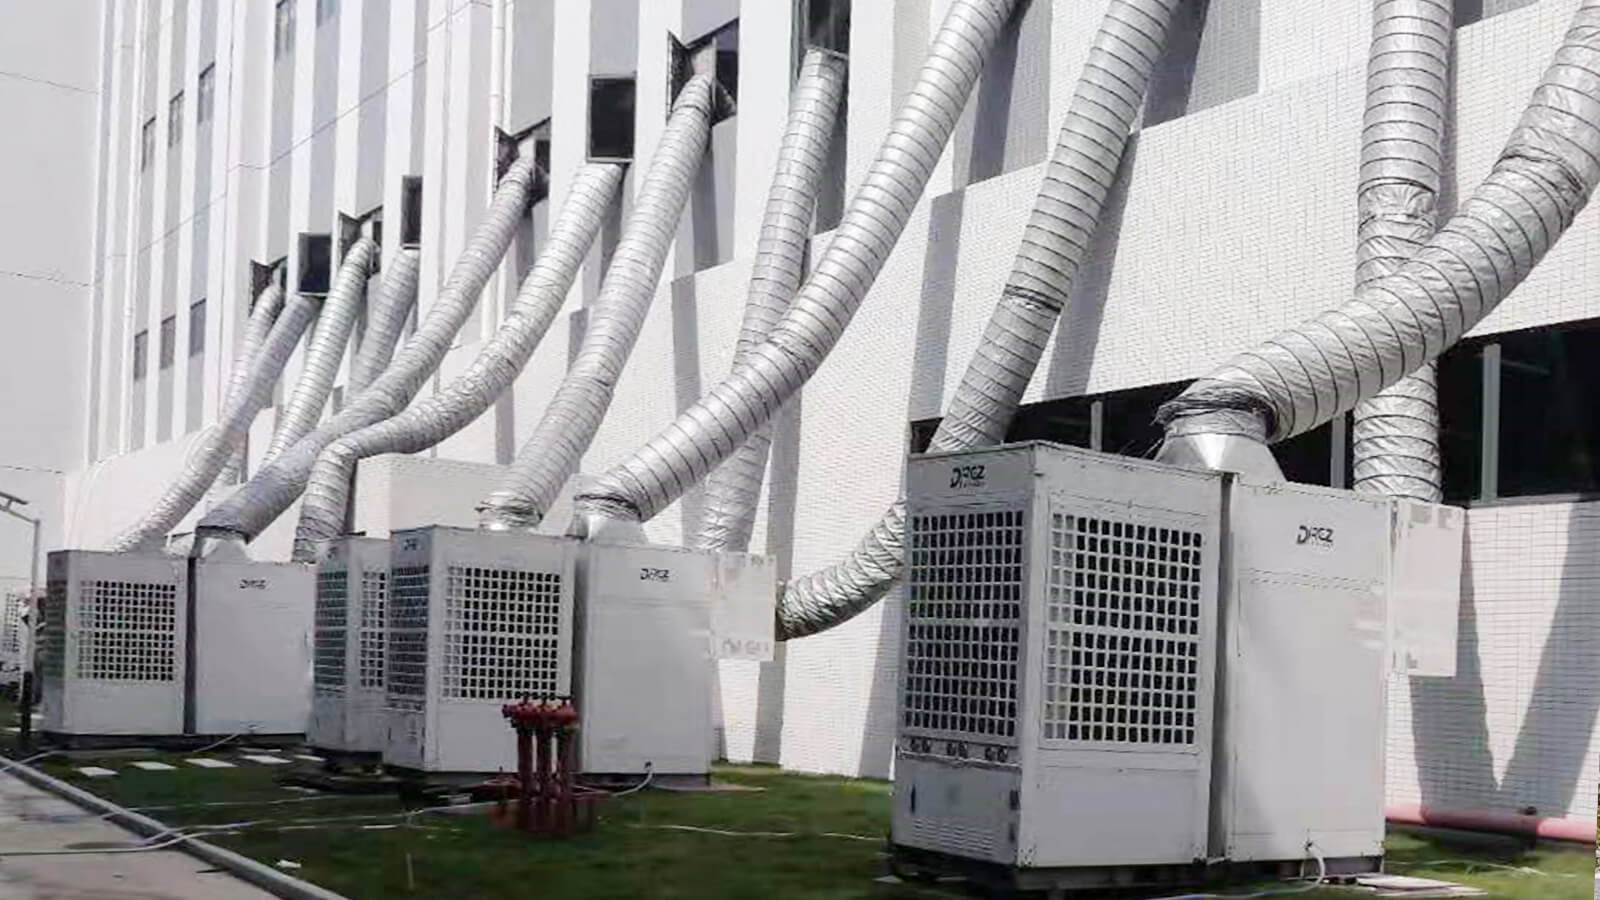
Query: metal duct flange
column 219, row 440
column 1067, row 210
column 275, row 487
column 543, row 291
column 551, row 453
column 329, row 339
column 710, row 431
column 734, row 488
column 1311, row 373
column 386, row 318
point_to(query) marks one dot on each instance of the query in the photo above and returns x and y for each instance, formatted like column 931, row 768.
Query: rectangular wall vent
column 411, row 211
column 611, row 109
column 316, row 264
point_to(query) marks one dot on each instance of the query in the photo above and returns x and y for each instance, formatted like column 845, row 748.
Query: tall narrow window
column 141, row 355
column 169, row 338
column 147, row 143
column 283, row 29
column 326, row 9
column 175, row 119
column 205, row 94
column 197, row 328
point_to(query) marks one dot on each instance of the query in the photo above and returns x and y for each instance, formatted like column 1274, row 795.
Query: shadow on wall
column 688, row 381
column 1450, row 716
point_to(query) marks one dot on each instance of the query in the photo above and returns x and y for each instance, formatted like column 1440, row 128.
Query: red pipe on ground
column 1497, row 822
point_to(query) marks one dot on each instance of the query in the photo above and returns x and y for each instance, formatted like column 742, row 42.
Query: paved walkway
column 31, row 819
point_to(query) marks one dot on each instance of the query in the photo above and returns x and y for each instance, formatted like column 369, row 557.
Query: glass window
column 1461, row 421
column 205, row 94
column 141, row 355
column 1549, row 433
column 169, row 340
column 283, row 29
column 175, row 119
column 147, row 143
column 197, row 328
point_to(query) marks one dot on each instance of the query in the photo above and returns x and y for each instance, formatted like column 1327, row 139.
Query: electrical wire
column 237, row 734
column 649, row 773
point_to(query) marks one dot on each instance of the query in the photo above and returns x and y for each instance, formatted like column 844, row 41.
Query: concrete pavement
column 31, row 819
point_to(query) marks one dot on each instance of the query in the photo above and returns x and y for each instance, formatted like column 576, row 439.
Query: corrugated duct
column 1078, row 177
column 551, row 453
column 722, row 420
column 386, row 318
column 269, row 303
column 543, row 290
column 1308, row 374
column 327, row 346
column 269, row 493
column 220, row 439
column 732, row 491
column 1395, row 447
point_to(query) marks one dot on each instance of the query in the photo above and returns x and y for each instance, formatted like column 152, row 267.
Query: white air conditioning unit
column 251, row 654
column 1117, row 672
column 112, row 644
column 347, row 697
column 1056, row 687
column 476, row 619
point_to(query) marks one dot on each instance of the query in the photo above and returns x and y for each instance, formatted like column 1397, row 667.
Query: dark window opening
column 1129, row 419
column 1069, row 420
column 352, row 228
column 169, row 340
column 1461, row 421
column 205, row 95
column 1549, row 434
column 411, row 211
column 715, row 53
column 611, row 106
column 827, row 24
column 141, row 355
column 316, row 263
column 147, row 144
column 262, row 275
column 197, row 328
column 1307, row 458
column 283, row 29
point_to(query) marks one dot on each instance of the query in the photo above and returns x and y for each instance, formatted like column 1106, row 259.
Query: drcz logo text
column 1314, row 536
column 966, row 476
column 648, row 574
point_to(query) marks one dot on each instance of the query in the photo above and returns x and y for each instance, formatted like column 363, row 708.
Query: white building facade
column 194, row 141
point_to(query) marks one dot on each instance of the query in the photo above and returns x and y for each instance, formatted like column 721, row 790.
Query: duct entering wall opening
column 611, row 105
column 716, row 53
column 353, row 228
column 826, row 24
column 316, row 264
column 411, row 212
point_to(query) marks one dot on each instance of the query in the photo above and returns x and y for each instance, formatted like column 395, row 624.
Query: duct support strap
column 1395, row 445
column 734, row 488
column 1307, row 375
column 707, row 433
column 327, row 346
column 386, row 317
column 1078, row 177
column 268, row 305
column 221, row 439
column 551, row 453
column 539, row 299
column 250, row 510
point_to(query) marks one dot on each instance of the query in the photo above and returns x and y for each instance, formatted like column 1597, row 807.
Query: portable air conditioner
column 1118, row 672
column 1059, row 645
column 652, row 622
column 476, row 619
column 347, row 697
column 250, row 671
column 112, row 644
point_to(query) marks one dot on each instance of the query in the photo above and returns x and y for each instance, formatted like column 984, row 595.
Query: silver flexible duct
column 1395, row 447
column 1308, row 374
column 543, row 290
column 269, row 493
column 732, row 491
column 1078, row 177
column 269, row 303
column 722, row 420
column 219, row 440
column 386, row 318
column 552, row 452
column 327, row 346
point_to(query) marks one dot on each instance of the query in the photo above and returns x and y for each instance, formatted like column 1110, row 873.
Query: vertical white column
column 469, row 145
column 766, row 69
column 406, row 66
column 569, row 100
column 434, row 161
column 300, row 158
column 347, row 128
column 182, row 229
column 113, row 209
column 657, row 18
column 155, row 239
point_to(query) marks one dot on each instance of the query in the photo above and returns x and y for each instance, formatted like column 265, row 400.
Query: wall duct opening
column 316, row 264
column 611, row 105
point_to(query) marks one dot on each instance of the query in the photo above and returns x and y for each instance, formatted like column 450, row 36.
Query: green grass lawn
column 630, row 854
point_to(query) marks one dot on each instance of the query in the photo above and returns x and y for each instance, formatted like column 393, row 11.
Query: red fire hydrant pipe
column 1577, row 830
